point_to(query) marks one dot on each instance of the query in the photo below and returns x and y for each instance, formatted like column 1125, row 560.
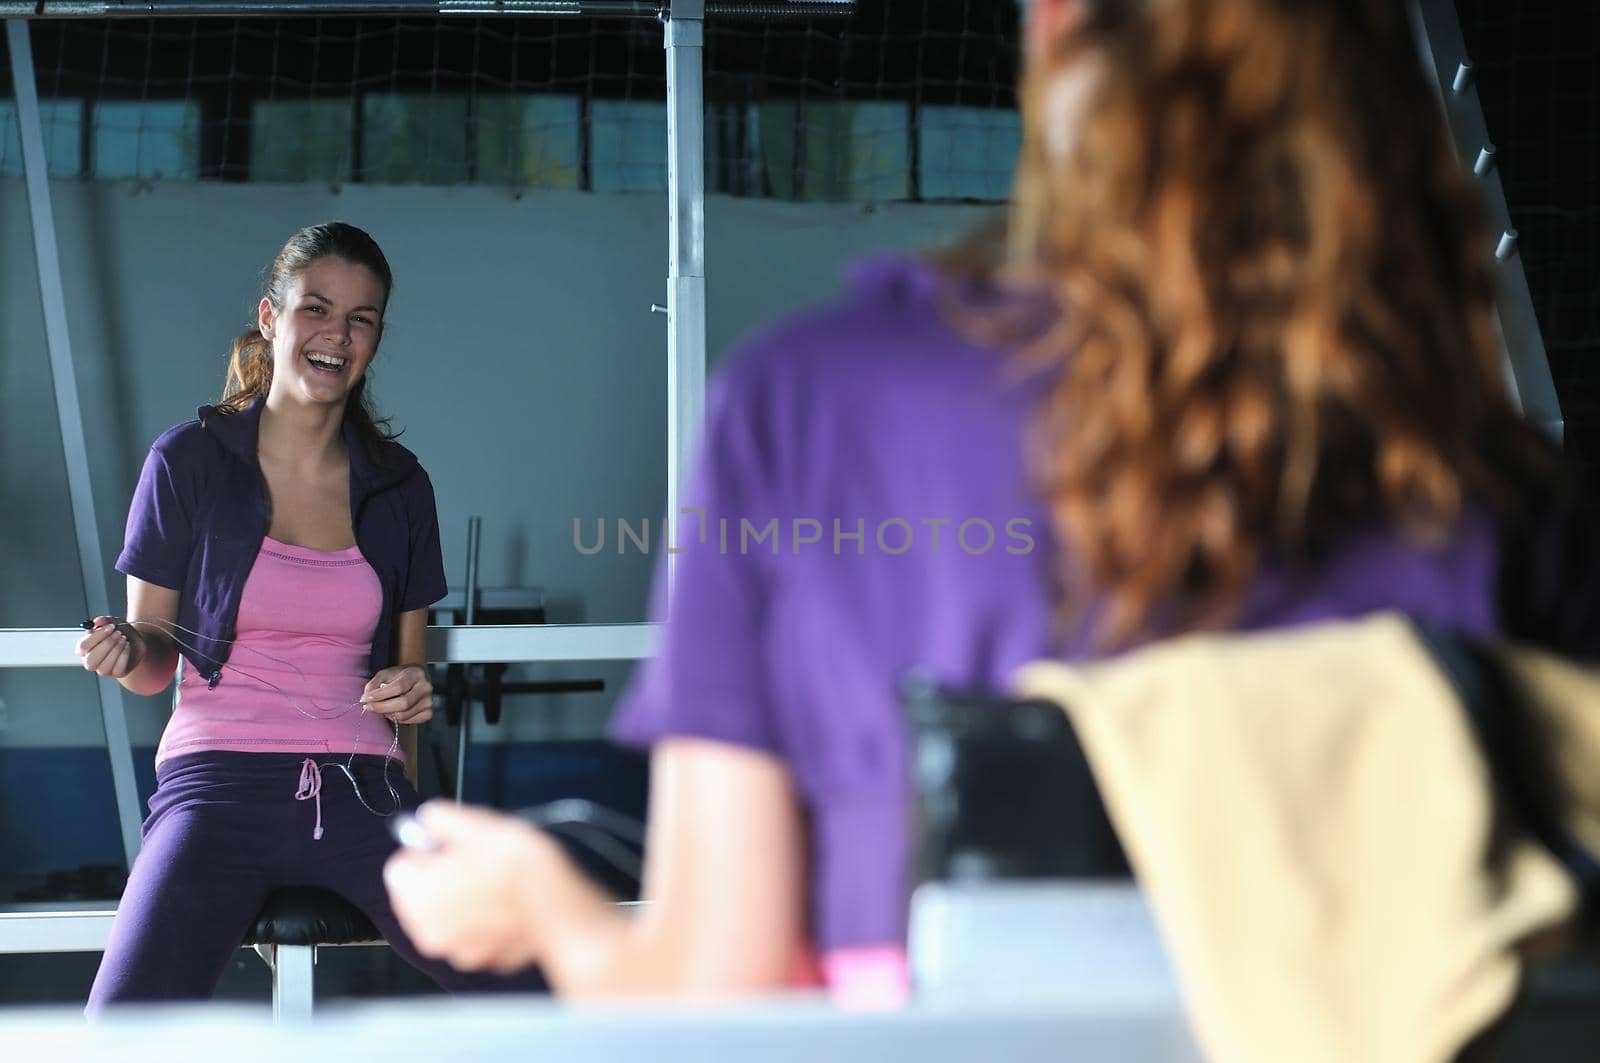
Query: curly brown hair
column 1276, row 300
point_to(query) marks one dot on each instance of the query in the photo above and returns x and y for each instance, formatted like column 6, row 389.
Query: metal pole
column 91, row 9
column 1444, row 49
column 288, row 8
column 91, row 563
column 686, row 252
column 469, row 617
column 46, row 647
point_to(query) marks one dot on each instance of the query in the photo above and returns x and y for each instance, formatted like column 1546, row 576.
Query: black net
column 905, row 100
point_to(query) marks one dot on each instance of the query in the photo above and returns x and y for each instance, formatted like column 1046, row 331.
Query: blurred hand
column 403, row 693
column 466, row 900
column 113, row 648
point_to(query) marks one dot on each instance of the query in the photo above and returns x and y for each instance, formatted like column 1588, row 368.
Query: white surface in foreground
column 799, row 1030
column 1080, row 939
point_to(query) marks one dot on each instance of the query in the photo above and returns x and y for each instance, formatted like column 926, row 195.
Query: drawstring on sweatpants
column 311, row 790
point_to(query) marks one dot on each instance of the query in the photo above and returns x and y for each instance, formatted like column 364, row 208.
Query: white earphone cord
column 323, row 713
column 592, row 825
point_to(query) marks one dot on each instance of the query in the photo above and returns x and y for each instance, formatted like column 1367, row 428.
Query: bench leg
column 292, row 973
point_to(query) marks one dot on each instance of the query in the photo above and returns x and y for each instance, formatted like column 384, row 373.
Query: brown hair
column 250, row 363
column 1275, row 298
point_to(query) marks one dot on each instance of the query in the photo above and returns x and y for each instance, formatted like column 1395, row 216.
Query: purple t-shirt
column 877, row 414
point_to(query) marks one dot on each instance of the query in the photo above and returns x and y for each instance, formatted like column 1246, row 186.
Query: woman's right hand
column 112, row 647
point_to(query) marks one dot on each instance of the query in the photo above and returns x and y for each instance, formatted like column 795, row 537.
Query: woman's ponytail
column 249, row 371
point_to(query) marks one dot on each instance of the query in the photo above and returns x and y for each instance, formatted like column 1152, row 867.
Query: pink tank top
column 311, row 610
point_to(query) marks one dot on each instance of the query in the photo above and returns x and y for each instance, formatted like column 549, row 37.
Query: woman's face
column 326, row 332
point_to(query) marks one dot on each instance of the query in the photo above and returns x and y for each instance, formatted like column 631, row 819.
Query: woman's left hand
column 403, row 693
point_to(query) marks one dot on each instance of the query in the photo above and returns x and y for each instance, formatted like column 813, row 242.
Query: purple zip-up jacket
column 200, row 513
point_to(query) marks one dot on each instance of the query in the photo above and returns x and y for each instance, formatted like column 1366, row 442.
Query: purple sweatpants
column 224, row 831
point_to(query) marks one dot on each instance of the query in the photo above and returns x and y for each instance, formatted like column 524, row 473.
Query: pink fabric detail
column 311, row 790
column 868, row 977
column 316, row 609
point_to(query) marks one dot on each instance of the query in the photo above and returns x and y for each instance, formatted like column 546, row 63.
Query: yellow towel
column 1312, row 820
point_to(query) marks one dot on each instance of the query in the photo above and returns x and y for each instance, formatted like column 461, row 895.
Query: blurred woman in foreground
column 1232, row 365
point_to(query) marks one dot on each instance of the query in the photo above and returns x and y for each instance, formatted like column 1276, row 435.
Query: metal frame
column 102, row 9
column 40, row 928
column 293, row 966
column 1444, row 53
column 48, row 647
column 294, row 971
column 469, row 616
column 69, row 415
column 686, row 253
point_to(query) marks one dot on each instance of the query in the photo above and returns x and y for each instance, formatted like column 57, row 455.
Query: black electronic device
column 1002, row 790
